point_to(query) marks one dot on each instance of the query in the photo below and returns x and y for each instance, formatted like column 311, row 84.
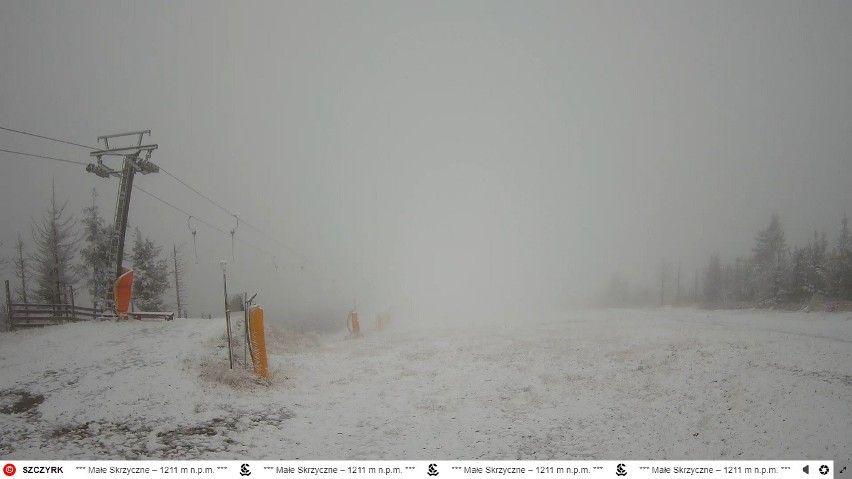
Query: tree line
column 772, row 276
column 65, row 255
column 775, row 275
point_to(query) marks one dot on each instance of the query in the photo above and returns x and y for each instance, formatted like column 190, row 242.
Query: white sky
column 458, row 156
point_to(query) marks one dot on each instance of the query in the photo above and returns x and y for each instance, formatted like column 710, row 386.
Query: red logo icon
column 9, row 469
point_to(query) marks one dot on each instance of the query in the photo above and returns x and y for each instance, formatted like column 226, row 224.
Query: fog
column 441, row 160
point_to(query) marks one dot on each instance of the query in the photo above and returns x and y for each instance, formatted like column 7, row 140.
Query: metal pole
column 245, row 330
column 177, row 280
column 8, row 304
column 227, row 315
column 131, row 164
column 122, row 212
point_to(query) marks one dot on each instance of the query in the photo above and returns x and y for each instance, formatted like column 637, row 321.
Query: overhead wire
column 136, row 187
column 224, row 232
column 301, row 256
column 176, row 208
column 43, row 157
column 204, row 222
column 200, row 220
column 164, row 170
column 47, row 138
column 243, row 220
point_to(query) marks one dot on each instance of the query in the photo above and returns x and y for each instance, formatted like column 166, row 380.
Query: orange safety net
column 258, row 342
column 122, row 292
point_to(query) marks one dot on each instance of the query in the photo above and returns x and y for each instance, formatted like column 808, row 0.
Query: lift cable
column 261, row 232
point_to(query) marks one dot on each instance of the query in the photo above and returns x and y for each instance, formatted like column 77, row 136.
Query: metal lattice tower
column 132, row 163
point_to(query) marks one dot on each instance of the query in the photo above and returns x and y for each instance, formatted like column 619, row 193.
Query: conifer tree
column 56, row 243
column 150, row 274
column 770, row 263
column 800, row 275
column 818, row 266
column 842, row 274
column 96, row 268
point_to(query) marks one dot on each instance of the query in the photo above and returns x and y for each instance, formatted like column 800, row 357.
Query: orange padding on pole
column 356, row 326
column 122, row 292
column 258, row 342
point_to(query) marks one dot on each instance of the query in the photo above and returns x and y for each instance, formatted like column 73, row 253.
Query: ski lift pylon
column 232, row 237
column 192, row 230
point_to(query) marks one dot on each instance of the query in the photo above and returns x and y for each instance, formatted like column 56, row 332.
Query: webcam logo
column 620, row 470
column 244, row 470
column 433, row 470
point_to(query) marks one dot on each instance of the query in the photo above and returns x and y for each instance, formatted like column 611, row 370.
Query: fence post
column 73, row 309
column 245, row 329
column 9, row 305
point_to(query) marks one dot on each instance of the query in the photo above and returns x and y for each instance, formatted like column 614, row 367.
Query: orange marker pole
column 356, row 327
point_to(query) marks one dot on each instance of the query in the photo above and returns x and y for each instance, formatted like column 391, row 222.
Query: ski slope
column 669, row 383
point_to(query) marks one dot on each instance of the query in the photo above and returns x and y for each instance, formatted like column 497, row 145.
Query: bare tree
column 23, row 270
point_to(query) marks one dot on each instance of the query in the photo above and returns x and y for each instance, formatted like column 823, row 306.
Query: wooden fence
column 28, row 315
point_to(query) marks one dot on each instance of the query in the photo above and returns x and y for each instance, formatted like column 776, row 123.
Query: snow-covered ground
column 670, row 383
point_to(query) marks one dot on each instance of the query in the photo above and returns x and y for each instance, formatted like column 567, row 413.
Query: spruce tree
column 818, row 265
column 842, row 277
column 150, row 274
column 96, row 268
column 56, row 242
column 800, row 275
column 770, row 262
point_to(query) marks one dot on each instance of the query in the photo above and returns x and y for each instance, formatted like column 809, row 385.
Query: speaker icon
column 806, row 469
